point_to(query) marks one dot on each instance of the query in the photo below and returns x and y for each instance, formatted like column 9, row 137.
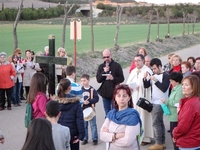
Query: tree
column 15, row 25
column 188, row 17
column 158, row 23
column 65, row 22
column 193, row 20
column 184, row 19
column 91, row 25
column 150, row 15
column 118, row 19
column 168, row 13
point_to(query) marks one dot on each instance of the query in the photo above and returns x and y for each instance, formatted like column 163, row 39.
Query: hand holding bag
column 145, row 104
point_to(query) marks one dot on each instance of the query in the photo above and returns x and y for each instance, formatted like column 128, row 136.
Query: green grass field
column 35, row 37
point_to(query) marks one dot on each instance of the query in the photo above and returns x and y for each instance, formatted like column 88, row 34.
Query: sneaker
column 18, row 104
column 95, row 142
column 84, row 142
column 156, row 147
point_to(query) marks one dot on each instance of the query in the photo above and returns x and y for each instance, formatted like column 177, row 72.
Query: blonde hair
column 59, row 50
column 173, row 56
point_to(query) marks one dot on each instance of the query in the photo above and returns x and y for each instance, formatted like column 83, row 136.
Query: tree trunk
column 91, row 27
column 118, row 19
column 65, row 22
column 188, row 17
column 184, row 18
column 158, row 23
column 149, row 29
column 15, row 25
column 194, row 17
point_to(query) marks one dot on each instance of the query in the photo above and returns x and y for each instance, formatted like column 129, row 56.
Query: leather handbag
column 145, row 104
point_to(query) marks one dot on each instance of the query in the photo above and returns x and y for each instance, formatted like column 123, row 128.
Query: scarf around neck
column 127, row 116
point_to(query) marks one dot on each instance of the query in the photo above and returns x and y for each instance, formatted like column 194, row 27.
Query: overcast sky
column 169, row 1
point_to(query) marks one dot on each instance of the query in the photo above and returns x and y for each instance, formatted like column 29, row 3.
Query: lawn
column 35, row 37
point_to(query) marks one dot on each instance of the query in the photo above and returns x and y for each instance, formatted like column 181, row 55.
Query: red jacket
column 6, row 71
column 187, row 133
column 133, row 66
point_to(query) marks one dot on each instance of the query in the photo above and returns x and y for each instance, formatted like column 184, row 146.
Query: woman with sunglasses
column 123, row 123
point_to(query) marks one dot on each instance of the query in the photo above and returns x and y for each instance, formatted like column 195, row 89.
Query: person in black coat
column 71, row 113
column 109, row 74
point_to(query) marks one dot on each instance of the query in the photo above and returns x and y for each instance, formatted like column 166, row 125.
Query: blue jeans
column 107, row 104
column 158, row 124
column 16, row 92
column 195, row 148
column 93, row 127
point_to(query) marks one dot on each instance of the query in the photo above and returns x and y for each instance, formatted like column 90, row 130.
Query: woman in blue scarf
column 122, row 124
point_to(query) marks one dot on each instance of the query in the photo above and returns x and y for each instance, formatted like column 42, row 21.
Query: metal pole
column 75, row 37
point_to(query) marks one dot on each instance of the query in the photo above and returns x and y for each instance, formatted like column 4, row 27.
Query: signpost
column 75, row 34
column 51, row 60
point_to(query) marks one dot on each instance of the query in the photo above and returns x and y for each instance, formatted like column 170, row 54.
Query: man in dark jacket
column 109, row 74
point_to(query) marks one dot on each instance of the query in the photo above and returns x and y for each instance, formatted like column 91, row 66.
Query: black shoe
column 95, row 142
column 23, row 98
column 168, row 131
column 84, row 142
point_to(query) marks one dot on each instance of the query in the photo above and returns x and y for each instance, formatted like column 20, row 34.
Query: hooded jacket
column 71, row 115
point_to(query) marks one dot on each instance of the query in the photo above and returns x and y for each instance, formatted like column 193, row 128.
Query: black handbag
column 145, row 104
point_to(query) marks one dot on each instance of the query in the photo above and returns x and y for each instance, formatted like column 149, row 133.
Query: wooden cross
column 51, row 60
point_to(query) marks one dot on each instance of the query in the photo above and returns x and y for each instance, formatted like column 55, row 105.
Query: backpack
column 28, row 115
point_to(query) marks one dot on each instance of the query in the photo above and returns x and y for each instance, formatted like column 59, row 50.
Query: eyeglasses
column 137, row 60
column 19, row 53
column 106, row 57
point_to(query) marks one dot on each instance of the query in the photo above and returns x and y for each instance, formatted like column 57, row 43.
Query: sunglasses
column 106, row 57
column 122, row 86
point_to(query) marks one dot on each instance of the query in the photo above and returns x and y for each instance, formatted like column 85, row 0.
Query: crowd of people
column 61, row 120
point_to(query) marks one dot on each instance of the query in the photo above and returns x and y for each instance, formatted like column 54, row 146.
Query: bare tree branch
column 65, row 21
column 91, row 27
column 118, row 21
column 15, row 25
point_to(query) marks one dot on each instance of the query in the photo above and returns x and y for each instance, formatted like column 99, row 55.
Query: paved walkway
column 12, row 122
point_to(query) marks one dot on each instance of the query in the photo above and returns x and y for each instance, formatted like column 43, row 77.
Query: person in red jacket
column 187, row 134
column 6, row 81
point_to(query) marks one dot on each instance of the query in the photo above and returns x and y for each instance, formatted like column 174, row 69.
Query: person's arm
column 130, row 136
column 175, row 97
column 95, row 98
column 67, row 139
column 185, row 121
column 99, row 76
column 105, row 135
column 118, row 77
column 146, row 83
column 41, row 101
column 164, row 85
column 80, row 122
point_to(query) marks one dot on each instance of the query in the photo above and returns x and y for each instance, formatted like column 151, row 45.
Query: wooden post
column 51, row 87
